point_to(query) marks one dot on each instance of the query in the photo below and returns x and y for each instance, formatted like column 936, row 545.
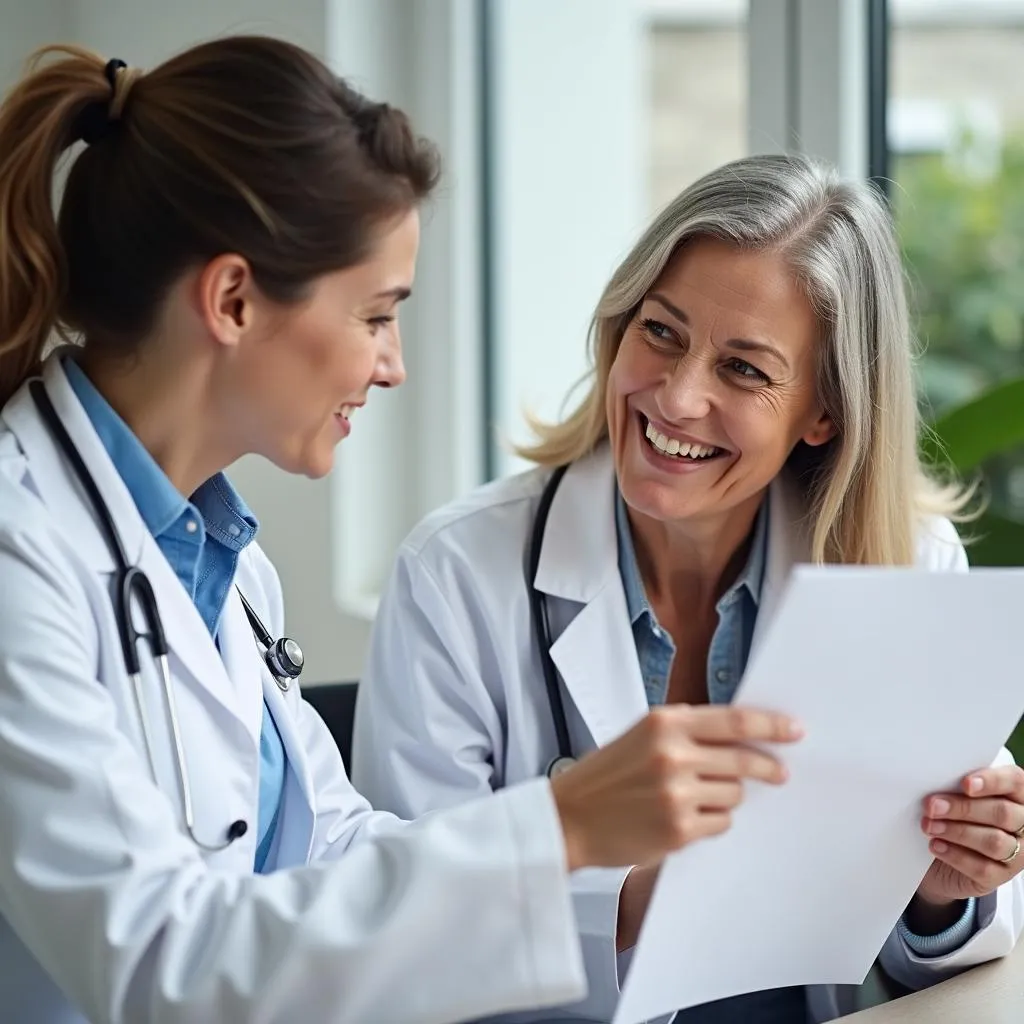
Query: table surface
column 990, row 994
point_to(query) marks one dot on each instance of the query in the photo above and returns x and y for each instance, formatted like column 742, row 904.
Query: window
column 956, row 144
column 698, row 91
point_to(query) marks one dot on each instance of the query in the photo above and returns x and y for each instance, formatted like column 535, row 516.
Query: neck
column 690, row 564
column 152, row 397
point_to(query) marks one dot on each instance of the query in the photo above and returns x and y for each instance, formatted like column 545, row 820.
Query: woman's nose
column 687, row 392
column 391, row 367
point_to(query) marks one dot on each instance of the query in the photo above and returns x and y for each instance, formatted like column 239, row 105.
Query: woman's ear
column 226, row 298
column 821, row 432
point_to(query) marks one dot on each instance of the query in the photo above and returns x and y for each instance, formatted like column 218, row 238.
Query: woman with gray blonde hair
column 751, row 406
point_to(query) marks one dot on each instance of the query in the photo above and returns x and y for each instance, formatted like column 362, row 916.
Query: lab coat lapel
column 190, row 643
column 788, row 544
column 245, row 661
column 199, row 663
column 296, row 826
column 244, row 666
column 594, row 650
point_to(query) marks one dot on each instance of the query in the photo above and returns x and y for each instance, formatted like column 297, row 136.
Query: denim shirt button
column 722, row 675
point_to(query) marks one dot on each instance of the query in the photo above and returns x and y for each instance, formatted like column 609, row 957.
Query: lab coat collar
column 579, row 563
column 579, row 553
column 52, row 476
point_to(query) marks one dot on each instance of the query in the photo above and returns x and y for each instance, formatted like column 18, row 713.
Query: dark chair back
column 336, row 705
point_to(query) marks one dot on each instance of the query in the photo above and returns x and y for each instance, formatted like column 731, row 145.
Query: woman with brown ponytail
column 178, row 839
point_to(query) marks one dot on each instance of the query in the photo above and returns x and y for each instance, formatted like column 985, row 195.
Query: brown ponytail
column 247, row 145
column 36, row 124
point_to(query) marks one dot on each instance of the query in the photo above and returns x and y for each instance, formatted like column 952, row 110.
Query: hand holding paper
column 812, row 876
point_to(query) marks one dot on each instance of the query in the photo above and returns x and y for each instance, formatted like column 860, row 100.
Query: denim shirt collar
column 637, row 603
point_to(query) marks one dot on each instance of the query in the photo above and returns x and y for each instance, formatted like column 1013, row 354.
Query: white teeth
column 346, row 411
column 680, row 449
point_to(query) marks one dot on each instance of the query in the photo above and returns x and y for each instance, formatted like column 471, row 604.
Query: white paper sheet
column 905, row 682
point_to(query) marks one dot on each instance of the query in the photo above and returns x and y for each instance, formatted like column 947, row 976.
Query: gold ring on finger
column 1019, row 834
column 1016, row 850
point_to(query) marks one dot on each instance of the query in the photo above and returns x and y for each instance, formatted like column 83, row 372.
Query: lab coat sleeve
column 464, row 914
column 428, row 734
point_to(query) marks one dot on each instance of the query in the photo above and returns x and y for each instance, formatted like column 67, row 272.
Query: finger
column 984, row 872
column 990, row 842
column 1007, row 780
column 718, row 724
column 737, row 763
column 720, row 795
column 701, row 825
column 996, row 811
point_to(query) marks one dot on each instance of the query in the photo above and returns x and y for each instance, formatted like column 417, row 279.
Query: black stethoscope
column 542, row 629
column 283, row 657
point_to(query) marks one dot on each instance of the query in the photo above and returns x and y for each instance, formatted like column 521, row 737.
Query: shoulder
column 29, row 530
column 939, row 547
column 499, row 513
column 49, row 595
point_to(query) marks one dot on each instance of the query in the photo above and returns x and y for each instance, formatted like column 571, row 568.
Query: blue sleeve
column 955, row 936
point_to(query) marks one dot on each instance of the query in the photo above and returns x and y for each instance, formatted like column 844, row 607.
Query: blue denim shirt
column 201, row 539
column 727, row 660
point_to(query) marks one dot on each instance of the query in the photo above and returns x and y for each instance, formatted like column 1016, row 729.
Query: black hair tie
column 94, row 122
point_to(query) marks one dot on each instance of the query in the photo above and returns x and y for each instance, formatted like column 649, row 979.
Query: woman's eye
column 744, row 369
column 657, row 331
column 377, row 322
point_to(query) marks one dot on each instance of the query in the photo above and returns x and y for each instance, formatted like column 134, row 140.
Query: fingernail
column 936, row 828
column 940, row 806
column 796, row 730
column 938, row 846
column 975, row 784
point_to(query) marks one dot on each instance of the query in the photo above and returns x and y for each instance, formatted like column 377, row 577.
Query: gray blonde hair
column 866, row 490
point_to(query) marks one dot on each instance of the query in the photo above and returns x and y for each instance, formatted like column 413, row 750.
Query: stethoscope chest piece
column 285, row 661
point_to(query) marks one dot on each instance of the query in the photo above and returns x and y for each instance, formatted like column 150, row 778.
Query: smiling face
column 713, row 385
column 302, row 371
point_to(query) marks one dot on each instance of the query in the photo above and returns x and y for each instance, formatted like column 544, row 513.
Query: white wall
column 144, row 32
column 24, row 26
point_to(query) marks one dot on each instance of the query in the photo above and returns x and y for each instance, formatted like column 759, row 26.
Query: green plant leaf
column 989, row 425
column 994, row 540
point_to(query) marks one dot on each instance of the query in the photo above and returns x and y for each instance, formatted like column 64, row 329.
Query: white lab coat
column 453, row 703
column 108, row 912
